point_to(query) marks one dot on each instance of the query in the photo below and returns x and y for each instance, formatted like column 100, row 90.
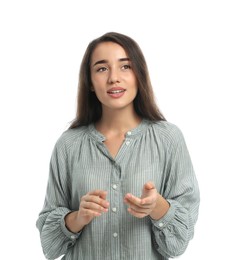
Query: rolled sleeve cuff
column 166, row 219
column 72, row 236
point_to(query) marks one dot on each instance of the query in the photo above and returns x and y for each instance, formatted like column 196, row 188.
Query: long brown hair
column 89, row 109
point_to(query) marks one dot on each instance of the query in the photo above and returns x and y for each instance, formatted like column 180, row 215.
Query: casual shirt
column 80, row 163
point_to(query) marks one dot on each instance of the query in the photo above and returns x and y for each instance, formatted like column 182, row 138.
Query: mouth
column 116, row 92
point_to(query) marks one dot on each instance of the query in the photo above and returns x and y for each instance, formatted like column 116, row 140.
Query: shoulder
column 166, row 128
column 167, row 132
column 71, row 137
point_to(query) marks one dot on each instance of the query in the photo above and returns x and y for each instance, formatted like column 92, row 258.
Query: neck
column 118, row 121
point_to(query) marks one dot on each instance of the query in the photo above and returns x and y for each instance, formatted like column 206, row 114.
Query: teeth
column 116, row 91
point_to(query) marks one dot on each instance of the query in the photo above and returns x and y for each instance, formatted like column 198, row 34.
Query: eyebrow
column 106, row 61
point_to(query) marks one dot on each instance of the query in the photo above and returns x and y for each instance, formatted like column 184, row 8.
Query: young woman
column 121, row 182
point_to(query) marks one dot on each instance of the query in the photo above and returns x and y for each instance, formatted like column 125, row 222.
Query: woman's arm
column 59, row 226
column 175, row 229
column 92, row 205
column 174, row 214
column 55, row 237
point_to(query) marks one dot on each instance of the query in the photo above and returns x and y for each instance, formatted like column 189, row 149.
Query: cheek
column 135, row 86
column 98, row 89
column 98, row 82
column 132, row 79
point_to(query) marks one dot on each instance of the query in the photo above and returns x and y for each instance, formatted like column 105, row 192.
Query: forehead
column 108, row 50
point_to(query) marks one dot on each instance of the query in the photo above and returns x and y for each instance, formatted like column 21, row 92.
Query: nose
column 114, row 76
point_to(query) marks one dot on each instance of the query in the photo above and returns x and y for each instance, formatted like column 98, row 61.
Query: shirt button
column 113, row 209
column 114, row 186
column 161, row 224
column 73, row 237
column 115, row 234
column 129, row 133
column 127, row 142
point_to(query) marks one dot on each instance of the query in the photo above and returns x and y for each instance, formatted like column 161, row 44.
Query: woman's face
column 113, row 79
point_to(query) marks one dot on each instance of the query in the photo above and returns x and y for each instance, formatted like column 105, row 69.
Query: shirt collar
column 132, row 133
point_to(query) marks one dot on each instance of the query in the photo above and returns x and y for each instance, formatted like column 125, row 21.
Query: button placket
column 161, row 224
column 129, row 133
column 127, row 142
column 114, row 188
column 114, row 209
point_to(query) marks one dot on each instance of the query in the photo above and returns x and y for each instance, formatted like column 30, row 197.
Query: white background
column 190, row 47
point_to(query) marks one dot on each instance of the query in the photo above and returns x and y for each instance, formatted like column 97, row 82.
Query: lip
column 114, row 89
column 118, row 94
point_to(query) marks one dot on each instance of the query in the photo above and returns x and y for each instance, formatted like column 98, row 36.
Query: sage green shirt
column 154, row 151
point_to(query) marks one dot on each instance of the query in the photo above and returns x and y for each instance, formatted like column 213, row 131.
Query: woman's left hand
column 151, row 203
column 142, row 207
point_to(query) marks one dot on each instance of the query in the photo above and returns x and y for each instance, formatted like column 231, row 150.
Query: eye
column 126, row 67
column 101, row 69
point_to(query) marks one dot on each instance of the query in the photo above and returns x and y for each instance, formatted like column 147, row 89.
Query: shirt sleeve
column 56, row 239
column 173, row 231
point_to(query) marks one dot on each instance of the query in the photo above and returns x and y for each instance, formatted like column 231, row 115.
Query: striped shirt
column 80, row 162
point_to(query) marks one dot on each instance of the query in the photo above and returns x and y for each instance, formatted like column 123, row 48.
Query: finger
column 103, row 195
column 95, row 199
column 90, row 213
column 131, row 199
column 100, row 193
column 93, row 206
column 143, row 209
column 141, row 205
column 148, row 201
column 149, row 185
column 149, row 193
column 137, row 214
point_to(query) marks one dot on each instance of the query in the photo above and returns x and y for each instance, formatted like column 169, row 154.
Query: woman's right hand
column 92, row 205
